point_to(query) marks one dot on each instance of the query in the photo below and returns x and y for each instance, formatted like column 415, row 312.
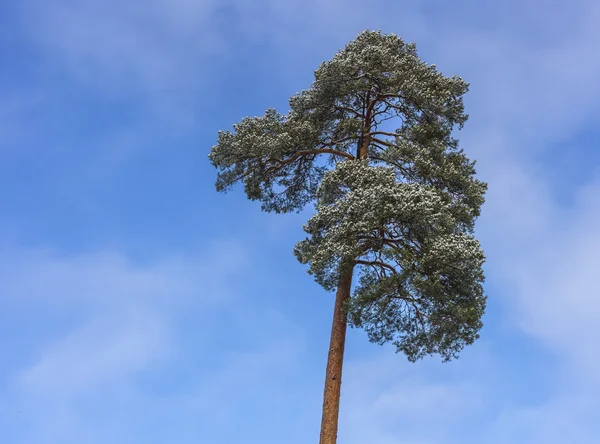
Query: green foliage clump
column 397, row 204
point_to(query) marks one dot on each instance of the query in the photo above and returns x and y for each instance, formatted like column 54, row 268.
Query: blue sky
column 137, row 305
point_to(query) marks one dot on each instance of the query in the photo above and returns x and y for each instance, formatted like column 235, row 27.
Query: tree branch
column 345, row 108
column 382, row 133
column 302, row 153
column 376, row 264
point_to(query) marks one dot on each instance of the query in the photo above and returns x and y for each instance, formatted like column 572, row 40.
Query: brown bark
column 335, row 360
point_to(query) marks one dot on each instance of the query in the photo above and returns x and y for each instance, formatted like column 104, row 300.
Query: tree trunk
column 335, row 360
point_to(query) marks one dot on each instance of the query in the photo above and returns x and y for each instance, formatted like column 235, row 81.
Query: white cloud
column 524, row 98
column 94, row 324
column 562, row 419
column 135, row 44
column 558, row 286
column 388, row 400
column 169, row 49
column 534, row 93
column 100, row 352
column 99, row 281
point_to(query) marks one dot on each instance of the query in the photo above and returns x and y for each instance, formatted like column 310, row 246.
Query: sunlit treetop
column 371, row 144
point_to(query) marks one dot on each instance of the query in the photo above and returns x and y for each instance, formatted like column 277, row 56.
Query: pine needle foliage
column 371, row 144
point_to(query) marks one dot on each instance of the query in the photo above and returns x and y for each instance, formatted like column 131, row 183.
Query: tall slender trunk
column 335, row 360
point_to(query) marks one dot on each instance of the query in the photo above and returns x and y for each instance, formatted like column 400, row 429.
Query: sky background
column 137, row 305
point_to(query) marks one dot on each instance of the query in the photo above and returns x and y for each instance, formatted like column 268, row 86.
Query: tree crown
column 398, row 204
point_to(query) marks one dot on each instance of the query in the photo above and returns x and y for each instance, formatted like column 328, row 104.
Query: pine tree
column 395, row 206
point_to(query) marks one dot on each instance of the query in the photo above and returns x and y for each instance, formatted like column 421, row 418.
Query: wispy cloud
column 98, row 322
column 111, row 44
column 557, row 284
column 109, row 321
